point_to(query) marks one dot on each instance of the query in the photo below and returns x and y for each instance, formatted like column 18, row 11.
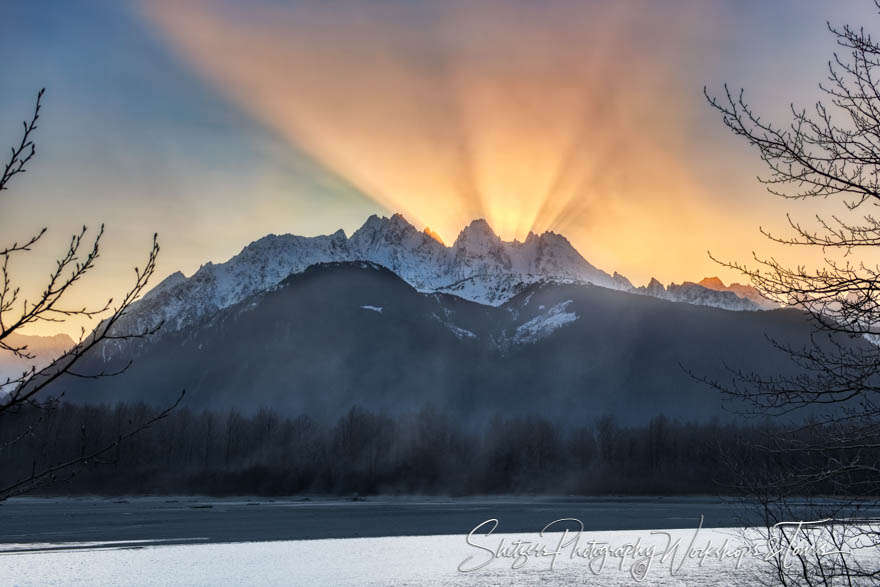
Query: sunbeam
column 533, row 117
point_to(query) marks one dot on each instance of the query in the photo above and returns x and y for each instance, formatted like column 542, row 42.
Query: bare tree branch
column 17, row 313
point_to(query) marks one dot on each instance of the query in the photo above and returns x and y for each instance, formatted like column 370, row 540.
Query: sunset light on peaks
column 585, row 118
column 433, row 235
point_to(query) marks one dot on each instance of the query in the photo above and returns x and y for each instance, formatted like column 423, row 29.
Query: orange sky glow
column 216, row 122
column 533, row 119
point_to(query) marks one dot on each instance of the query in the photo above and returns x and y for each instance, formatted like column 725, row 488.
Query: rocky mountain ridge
column 479, row 266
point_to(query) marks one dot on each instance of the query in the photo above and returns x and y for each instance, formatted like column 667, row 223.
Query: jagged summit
column 478, row 266
column 655, row 284
column 712, row 283
column 477, row 236
column 743, row 291
column 433, row 235
column 622, row 282
column 172, row 280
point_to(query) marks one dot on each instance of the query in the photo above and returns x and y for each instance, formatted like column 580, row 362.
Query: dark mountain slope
column 342, row 334
column 627, row 352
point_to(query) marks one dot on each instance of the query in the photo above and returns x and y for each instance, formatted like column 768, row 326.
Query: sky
column 214, row 123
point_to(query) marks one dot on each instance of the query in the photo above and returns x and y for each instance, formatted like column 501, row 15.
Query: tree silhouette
column 828, row 152
column 29, row 388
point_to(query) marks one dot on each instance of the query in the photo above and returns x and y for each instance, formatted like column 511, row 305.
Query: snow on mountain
column 459, row 332
column 692, row 293
column 695, row 293
column 544, row 324
column 396, row 244
column 179, row 301
column 479, row 266
column 622, row 282
column 709, row 291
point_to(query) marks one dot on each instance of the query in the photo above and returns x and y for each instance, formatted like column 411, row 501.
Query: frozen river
column 166, row 519
column 399, row 560
column 391, row 541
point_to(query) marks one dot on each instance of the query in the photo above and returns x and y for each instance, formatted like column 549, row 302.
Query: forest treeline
column 427, row 452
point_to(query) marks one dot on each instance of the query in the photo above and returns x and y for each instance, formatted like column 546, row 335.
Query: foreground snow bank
column 426, row 560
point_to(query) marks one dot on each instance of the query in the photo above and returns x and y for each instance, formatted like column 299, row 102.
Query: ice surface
column 424, row 560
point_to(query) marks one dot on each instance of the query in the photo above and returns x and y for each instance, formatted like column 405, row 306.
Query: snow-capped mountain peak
column 478, row 266
column 477, row 236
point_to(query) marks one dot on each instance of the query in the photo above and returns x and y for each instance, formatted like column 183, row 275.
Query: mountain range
column 479, row 266
column 391, row 319
column 354, row 333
